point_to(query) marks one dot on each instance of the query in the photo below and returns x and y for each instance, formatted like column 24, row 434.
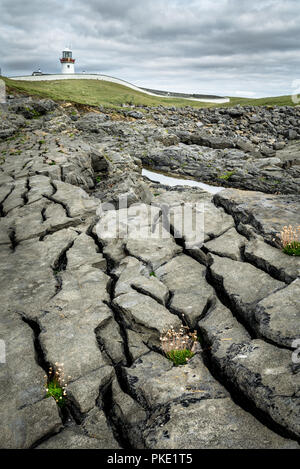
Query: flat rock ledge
column 80, row 289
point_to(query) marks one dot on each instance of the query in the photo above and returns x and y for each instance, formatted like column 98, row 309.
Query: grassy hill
column 96, row 93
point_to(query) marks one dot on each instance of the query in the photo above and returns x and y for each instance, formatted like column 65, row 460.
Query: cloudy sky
column 229, row 47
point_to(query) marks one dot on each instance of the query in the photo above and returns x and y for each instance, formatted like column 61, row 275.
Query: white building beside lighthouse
column 67, row 62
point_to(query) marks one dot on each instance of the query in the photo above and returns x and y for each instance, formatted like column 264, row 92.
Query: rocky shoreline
column 75, row 292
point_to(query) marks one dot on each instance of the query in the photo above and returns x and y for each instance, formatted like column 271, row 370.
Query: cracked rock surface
column 87, row 283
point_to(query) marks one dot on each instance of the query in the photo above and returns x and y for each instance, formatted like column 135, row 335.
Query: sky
column 224, row 47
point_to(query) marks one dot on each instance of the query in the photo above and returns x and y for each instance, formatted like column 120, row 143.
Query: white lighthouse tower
column 67, row 63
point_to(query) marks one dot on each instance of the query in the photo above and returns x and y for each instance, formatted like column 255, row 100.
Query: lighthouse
column 67, row 63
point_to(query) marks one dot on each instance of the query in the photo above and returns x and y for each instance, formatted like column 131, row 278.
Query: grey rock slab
column 124, row 188
column 278, row 315
column 26, row 415
column 20, row 374
column 290, row 155
column 143, row 314
column 96, row 426
column 227, row 245
column 260, row 371
column 198, row 223
column 85, row 391
column 23, row 428
column 56, row 245
column 154, row 252
column 15, row 198
column 69, row 323
column 243, row 284
column 272, row 260
column 136, row 345
column 216, row 221
column 267, row 213
column 116, row 227
column 154, row 249
column 111, row 342
column 114, row 250
column 210, row 424
column 40, row 218
column 263, row 162
column 134, row 276
column 56, row 218
column 172, row 196
column 38, row 187
column 77, row 201
column 5, row 180
column 76, row 439
column 99, row 162
column 264, row 373
column 207, row 140
column 28, row 221
column 84, row 252
column 190, row 292
column 5, row 231
column 5, row 188
column 130, row 413
column 151, row 286
column 221, row 329
column 27, row 278
column 154, row 381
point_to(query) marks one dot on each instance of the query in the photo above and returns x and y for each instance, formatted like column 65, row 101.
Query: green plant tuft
column 179, row 357
column 55, row 384
column 56, row 391
column 292, row 249
column 227, row 175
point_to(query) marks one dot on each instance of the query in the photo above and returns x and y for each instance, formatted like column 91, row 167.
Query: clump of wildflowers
column 55, row 384
column 290, row 240
column 178, row 346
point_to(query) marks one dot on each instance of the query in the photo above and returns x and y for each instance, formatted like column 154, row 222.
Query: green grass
column 95, row 93
column 180, row 357
column 227, row 175
column 56, row 391
column 107, row 94
column 285, row 100
column 292, row 249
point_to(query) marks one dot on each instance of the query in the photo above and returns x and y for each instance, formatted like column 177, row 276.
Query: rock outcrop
column 92, row 285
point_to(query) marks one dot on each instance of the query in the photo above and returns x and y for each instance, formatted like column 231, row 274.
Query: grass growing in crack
column 290, row 240
column 227, row 175
column 180, row 357
column 292, row 249
column 178, row 346
column 55, row 385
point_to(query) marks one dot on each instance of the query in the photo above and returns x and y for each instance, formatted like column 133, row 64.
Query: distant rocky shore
column 74, row 292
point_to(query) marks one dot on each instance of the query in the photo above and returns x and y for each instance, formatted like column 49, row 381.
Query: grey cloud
column 185, row 45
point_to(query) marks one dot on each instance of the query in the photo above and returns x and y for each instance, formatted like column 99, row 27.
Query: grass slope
column 107, row 94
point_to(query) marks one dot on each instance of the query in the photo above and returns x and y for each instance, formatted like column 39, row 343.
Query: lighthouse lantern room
column 67, row 62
